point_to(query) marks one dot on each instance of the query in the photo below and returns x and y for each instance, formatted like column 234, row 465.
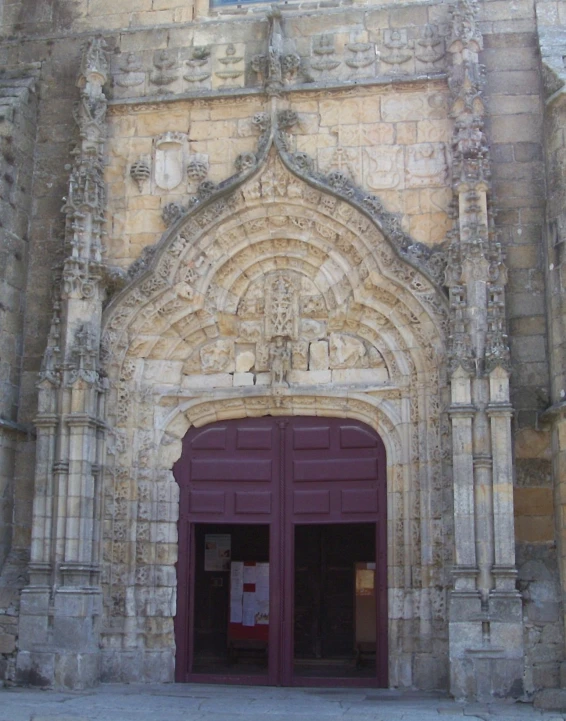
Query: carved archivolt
column 277, row 258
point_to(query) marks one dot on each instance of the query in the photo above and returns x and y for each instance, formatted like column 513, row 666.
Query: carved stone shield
column 169, row 165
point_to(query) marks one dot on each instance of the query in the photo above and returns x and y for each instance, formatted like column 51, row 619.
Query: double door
column 305, row 498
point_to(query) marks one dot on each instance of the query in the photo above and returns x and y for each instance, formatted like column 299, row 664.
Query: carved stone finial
column 140, row 171
column 276, row 66
column 206, row 189
column 303, row 162
column 286, row 119
column 245, row 161
column 261, row 121
column 171, row 213
column 197, row 167
column 464, row 25
column 93, row 72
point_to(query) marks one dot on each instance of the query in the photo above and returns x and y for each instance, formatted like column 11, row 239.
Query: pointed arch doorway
column 282, row 572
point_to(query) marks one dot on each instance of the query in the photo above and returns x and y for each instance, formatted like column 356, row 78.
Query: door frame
column 381, row 678
column 282, row 573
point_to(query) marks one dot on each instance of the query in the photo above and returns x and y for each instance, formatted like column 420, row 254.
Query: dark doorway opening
column 335, row 602
column 222, row 647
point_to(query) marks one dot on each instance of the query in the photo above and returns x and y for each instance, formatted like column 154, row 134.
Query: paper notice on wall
column 262, row 612
column 236, row 613
column 236, row 580
column 262, row 582
column 250, row 574
column 365, row 581
column 217, row 551
column 249, row 609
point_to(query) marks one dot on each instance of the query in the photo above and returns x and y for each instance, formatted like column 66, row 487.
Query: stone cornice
column 257, row 91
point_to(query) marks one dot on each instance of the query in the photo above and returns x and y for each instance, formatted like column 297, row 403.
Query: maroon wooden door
column 282, row 472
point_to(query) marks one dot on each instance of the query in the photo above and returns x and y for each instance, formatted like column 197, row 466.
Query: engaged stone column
column 465, row 599
column 61, row 608
column 485, row 625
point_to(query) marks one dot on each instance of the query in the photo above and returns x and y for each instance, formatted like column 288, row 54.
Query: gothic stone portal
column 280, row 300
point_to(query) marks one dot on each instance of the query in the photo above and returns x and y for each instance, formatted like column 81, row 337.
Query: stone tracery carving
column 281, row 307
column 232, row 270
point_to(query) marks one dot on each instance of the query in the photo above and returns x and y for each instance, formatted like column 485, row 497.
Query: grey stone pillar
column 485, row 619
column 61, row 608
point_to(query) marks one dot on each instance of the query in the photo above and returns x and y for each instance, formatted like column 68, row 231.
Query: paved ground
column 198, row 702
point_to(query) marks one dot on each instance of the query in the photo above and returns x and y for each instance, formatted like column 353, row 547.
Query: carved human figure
column 279, row 361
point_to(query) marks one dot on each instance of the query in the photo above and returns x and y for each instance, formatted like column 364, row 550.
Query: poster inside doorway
column 217, row 551
column 249, row 594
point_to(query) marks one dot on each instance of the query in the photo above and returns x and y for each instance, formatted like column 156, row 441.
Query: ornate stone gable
column 274, row 221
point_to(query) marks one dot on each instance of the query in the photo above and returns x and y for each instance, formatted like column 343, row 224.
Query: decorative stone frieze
column 283, row 58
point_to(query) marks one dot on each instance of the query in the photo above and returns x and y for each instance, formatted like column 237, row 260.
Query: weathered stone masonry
column 355, row 181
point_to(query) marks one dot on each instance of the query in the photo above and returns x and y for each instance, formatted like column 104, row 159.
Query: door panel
column 250, row 502
column 233, row 469
column 360, row 500
column 284, row 472
column 334, row 469
column 311, row 502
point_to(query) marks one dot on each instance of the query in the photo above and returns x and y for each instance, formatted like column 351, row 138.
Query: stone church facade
column 341, row 210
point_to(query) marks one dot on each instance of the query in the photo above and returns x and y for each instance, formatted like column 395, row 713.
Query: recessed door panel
column 250, row 502
column 357, row 437
column 311, row 502
column 317, row 438
column 211, row 439
column 335, row 469
column 359, row 500
column 207, row 502
column 204, row 469
column 254, row 439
